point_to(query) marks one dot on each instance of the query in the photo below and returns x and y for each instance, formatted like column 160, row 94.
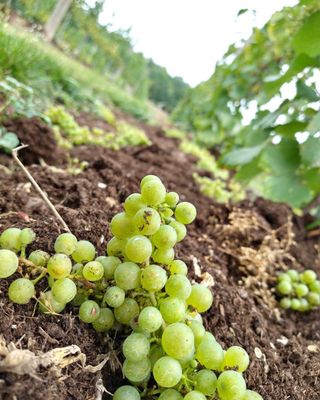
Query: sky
column 188, row 37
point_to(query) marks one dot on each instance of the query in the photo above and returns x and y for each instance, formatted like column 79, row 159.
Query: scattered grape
column 178, row 340
column 173, row 309
column 167, row 372
column 114, row 296
column 150, row 319
column 64, row 290
column 59, row 266
column 138, row 249
column 206, row 382
column 133, row 204
column 105, row 320
column 172, row 198
column 121, row 226
column 185, row 213
column 128, row 310
column 136, row 347
column 153, row 192
column 48, row 304
column 21, row 291
column 165, row 237
column 163, row 256
column 126, row 393
column 84, row 252
column 93, row 271
column 200, row 298
column 178, row 286
column 236, row 358
column 39, row 258
column 109, row 265
column 9, row 263
column 137, row 371
column 231, row 385
column 147, row 221
column 178, row 267
column 10, row 239
column 89, row 311
column 127, row 275
column 115, row 247
column 180, row 229
column 66, row 243
column 210, row 354
column 153, row 278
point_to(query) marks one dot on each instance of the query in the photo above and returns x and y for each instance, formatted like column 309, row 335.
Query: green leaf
column 310, row 152
column 307, row 39
column 306, row 92
column 242, row 11
column 247, row 172
column 290, row 129
column 314, row 125
column 8, row 141
column 282, row 158
column 242, row 156
column 311, row 179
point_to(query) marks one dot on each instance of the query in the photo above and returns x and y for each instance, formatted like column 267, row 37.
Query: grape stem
column 37, row 187
column 42, row 275
column 30, row 264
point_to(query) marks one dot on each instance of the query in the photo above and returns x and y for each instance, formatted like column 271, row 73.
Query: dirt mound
column 241, row 246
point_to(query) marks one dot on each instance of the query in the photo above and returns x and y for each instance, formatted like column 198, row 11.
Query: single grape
column 136, row 347
column 137, row 371
column 172, row 199
column 210, row 354
column 236, row 358
column 39, row 258
column 178, row 267
column 231, row 385
column 9, row 263
column 114, row 296
column 138, row 249
column 178, row 340
column 295, row 304
column 105, row 320
column 166, row 212
column 77, row 270
column 93, row 271
column 149, row 178
column 206, row 382
column 173, row 309
column 285, row 303
column 165, row 237
column 304, row 305
column 127, row 312
column 293, row 274
column 251, row 395
column 284, row 287
column 64, row 290
column 59, row 266
column 115, row 247
column 27, row 236
column 150, row 319
column 89, row 311
column 185, row 213
column 284, row 277
column 84, row 252
column 167, row 372
column 180, row 229
column 127, row 275
column 170, row 394
column 178, row 286
column 147, row 221
column 301, row 290
column 109, row 265
column 315, row 286
column 314, row 298
column 10, row 239
column 21, row 291
column 153, row 192
column 126, row 392
column 163, row 256
column 308, row 276
column 200, row 298
column 194, row 395
column 66, row 243
column 133, row 203
column 121, row 226
column 48, row 304
column 198, row 331
column 153, row 278
column 193, row 315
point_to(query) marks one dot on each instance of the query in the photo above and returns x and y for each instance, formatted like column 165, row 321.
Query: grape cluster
column 141, row 288
column 299, row 291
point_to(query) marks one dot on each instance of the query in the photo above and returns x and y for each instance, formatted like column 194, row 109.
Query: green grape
column 193, row 315
column 198, row 331
column 138, row 249
column 147, row 221
column 156, row 352
column 172, row 199
column 105, row 320
column 59, row 266
column 301, row 290
column 304, row 305
column 284, row 277
column 126, row 392
column 170, row 394
column 308, row 276
column 165, row 237
column 166, row 212
column 284, row 287
column 66, row 243
column 127, row 312
column 185, row 213
column 121, row 226
column 315, row 287
column 314, row 299
column 149, row 178
column 167, row 372
column 21, row 291
column 10, row 239
column 173, row 309
column 153, row 192
column 180, row 229
column 114, row 296
column 77, row 270
column 293, row 274
column 137, row 371
column 194, row 395
column 27, row 236
column 127, row 275
column 153, row 278
column 200, row 298
column 49, row 305
column 89, row 311
column 84, row 252
column 163, row 256
column 178, row 267
column 133, row 203
column 51, row 281
column 136, row 347
column 178, row 286
column 39, row 258
column 150, row 319
column 295, row 304
column 251, row 395
column 285, row 303
column 9, row 263
column 93, row 271
column 210, row 354
column 115, row 247
column 231, row 385
column 178, row 341
column 236, row 358
column 109, row 265
column 206, row 382
column 64, row 290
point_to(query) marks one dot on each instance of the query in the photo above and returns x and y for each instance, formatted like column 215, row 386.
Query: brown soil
column 241, row 246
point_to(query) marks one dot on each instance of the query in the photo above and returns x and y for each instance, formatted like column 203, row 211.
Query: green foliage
column 254, row 78
column 8, row 140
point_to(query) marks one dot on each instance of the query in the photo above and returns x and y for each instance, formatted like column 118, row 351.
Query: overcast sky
column 188, row 37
